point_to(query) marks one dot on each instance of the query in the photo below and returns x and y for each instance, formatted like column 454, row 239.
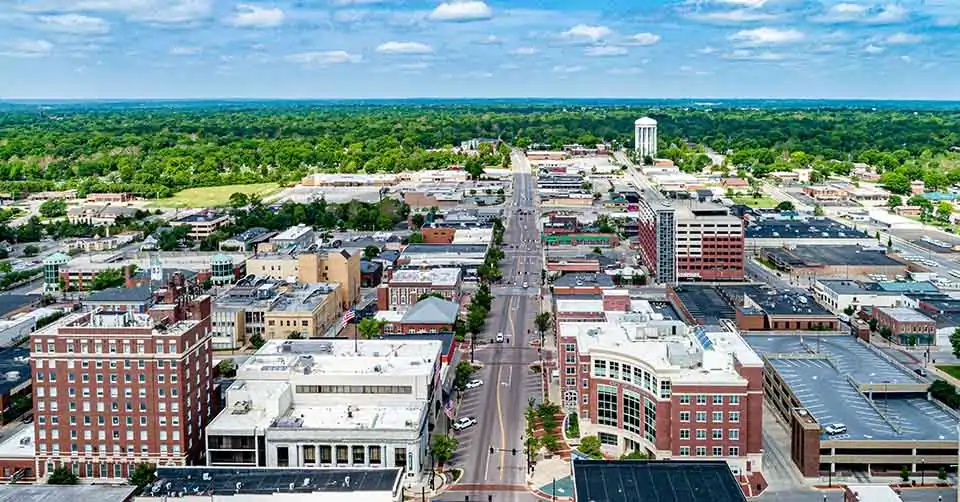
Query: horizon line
column 436, row 98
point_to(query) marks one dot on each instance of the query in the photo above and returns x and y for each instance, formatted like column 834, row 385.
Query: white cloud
column 490, row 40
column 848, row 12
column 524, row 51
column 767, row 36
column 901, row 38
column 148, row 11
column 587, row 32
column 255, row 16
column 323, row 58
column 404, row 48
column 748, row 55
column 732, row 16
column 185, row 51
column 27, row 49
column 873, row 49
column 461, row 11
column 707, row 50
column 605, row 51
column 74, row 24
column 644, row 39
column 567, row 69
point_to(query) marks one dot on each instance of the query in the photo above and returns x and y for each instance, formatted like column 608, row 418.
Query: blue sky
column 479, row 48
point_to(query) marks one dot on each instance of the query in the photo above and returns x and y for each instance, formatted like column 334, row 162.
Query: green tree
column 464, row 373
column 818, row 210
column 30, row 250
column 432, row 294
column 849, row 310
column 942, row 474
column 238, row 200
column 370, row 327
column 143, row 474
column 785, row 206
column 955, row 342
column 894, row 201
column 905, row 473
column 370, row 252
column 227, row 368
column 635, row 455
column 257, row 341
column 417, row 220
column 443, row 448
column 62, row 476
column 944, row 210
column 591, row 447
column 415, row 238
column 945, row 393
column 543, row 321
column 295, row 335
column 873, row 324
column 53, row 208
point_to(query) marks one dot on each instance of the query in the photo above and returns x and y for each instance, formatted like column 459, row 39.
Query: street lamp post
column 922, row 474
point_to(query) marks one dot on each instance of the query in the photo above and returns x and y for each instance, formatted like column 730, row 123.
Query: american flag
column 348, row 316
column 448, row 409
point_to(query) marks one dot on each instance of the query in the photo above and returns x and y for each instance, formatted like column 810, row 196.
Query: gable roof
column 140, row 294
column 432, row 310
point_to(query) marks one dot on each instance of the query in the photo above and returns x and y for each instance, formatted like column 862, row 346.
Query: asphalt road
column 500, row 403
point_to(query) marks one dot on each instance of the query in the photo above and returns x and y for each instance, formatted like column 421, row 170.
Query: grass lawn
column 214, row 196
column 762, row 202
column 951, row 370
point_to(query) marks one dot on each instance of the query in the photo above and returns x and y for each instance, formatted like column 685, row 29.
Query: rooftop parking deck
column 827, row 376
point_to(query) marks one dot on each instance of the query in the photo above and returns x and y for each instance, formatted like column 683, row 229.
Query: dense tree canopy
column 155, row 151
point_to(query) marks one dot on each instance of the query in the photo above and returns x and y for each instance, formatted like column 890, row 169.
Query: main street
column 499, row 405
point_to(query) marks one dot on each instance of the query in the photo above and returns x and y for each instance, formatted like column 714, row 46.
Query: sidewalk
column 419, row 490
column 546, row 474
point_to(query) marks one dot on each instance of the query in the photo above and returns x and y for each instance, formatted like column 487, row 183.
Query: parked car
column 463, row 423
column 835, row 429
column 499, row 338
column 473, row 384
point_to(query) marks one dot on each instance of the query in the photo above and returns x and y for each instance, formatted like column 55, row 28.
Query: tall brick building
column 642, row 380
column 113, row 389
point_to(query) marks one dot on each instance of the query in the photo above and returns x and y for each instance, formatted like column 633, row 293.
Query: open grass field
column 761, row 203
column 214, row 196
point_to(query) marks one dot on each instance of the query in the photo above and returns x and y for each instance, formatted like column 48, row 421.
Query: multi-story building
column 908, row 326
column 683, row 240
column 644, row 382
column 331, row 403
column 202, row 224
column 331, row 265
column 406, row 286
column 298, row 236
column 114, row 389
column 271, row 308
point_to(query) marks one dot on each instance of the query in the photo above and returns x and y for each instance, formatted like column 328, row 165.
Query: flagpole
column 356, row 341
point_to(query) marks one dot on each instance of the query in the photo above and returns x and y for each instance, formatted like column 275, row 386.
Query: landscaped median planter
column 571, row 429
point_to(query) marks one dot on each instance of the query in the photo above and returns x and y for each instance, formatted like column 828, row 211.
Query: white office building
column 645, row 136
column 331, row 404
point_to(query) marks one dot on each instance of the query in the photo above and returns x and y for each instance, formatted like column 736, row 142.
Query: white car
column 525, row 284
column 473, row 384
column 464, row 423
column 835, row 429
column 499, row 338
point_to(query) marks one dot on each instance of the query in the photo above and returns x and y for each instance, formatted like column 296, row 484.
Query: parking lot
column 827, row 388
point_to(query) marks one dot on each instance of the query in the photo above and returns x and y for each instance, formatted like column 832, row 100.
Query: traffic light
column 514, row 452
column 491, row 450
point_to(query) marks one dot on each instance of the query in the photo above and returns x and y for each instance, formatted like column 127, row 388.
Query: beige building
column 307, row 309
column 332, row 265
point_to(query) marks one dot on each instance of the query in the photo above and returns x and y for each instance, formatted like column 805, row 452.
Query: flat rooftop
column 824, row 388
column 814, row 228
column 655, row 481
column 277, row 359
column 774, row 301
column 65, row 493
column 903, row 314
column 293, row 233
column 353, row 416
column 445, row 248
column 266, row 481
column 812, row 256
column 15, row 366
column 446, row 276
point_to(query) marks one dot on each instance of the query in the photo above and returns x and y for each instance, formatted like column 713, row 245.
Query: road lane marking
column 503, row 429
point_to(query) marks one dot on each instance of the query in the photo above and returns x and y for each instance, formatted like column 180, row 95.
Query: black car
column 27, row 419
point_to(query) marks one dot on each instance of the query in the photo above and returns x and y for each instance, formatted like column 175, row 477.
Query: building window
column 400, row 457
column 717, row 451
column 718, row 417
column 631, row 412
column 343, row 454
column 701, row 399
column 701, row 416
column 309, row 454
column 283, row 456
column 701, row 451
column 734, row 400
column 684, row 433
column 717, row 434
column 718, row 399
column 701, row 434
column 326, row 454
column 608, row 439
column 374, row 454
column 650, row 420
column 734, row 417
column 734, row 434
column 607, row 405
column 684, row 416
column 684, row 451
column 734, row 451
column 599, row 368
column 684, row 399
column 358, row 457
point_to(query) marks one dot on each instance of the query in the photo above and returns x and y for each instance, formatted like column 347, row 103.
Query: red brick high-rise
column 113, row 389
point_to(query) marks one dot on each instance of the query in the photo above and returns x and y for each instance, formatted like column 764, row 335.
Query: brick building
column 908, row 326
column 113, row 389
column 407, row 285
column 644, row 382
